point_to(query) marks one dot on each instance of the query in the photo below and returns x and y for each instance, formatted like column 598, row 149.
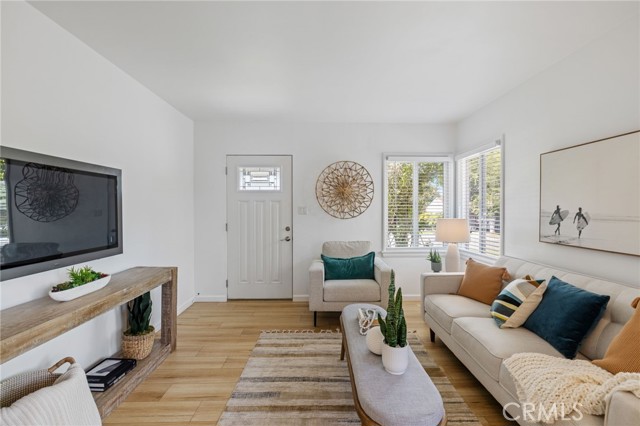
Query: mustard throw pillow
column 623, row 354
column 482, row 282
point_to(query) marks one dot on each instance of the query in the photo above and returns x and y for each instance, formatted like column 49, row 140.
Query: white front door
column 259, row 228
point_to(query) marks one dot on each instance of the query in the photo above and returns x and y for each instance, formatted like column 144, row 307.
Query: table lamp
column 452, row 231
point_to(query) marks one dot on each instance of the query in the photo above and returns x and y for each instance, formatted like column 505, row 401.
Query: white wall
column 590, row 95
column 61, row 98
column 313, row 146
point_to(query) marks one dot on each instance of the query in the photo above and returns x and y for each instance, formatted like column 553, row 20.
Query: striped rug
column 298, row 378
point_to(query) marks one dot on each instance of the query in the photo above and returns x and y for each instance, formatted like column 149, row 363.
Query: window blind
column 417, row 194
column 480, row 199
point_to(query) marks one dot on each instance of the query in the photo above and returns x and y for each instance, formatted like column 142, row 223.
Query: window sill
column 410, row 253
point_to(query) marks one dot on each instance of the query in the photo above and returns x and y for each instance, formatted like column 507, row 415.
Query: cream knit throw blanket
column 559, row 385
column 68, row 402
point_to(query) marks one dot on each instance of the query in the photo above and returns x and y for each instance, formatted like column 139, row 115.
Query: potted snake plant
column 395, row 350
column 436, row 261
column 137, row 340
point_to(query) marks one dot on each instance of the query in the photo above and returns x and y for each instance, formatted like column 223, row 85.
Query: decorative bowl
column 74, row 293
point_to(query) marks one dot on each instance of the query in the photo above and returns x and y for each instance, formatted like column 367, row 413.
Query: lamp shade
column 452, row 230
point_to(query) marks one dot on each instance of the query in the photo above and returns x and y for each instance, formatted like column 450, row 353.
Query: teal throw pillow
column 360, row 267
column 566, row 315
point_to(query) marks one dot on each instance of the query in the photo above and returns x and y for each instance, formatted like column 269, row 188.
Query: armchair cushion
column 346, row 249
column 353, row 268
column 354, row 291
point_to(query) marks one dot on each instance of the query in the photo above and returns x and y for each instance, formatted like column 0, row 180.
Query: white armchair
column 334, row 295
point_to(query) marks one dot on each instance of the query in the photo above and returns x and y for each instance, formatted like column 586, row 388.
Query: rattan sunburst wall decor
column 344, row 189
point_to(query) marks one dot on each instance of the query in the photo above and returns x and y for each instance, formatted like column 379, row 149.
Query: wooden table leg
column 342, row 347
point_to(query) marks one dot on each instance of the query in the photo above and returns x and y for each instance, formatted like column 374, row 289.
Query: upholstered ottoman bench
column 382, row 398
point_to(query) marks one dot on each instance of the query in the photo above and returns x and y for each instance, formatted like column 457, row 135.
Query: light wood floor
column 193, row 384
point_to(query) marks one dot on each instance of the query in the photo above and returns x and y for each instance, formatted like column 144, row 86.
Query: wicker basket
column 137, row 347
column 20, row 385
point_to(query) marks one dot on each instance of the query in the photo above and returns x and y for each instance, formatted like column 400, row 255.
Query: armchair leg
column 315, row 318
column 432, row 335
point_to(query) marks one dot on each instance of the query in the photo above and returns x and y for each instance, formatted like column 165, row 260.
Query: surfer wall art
column 590, row 195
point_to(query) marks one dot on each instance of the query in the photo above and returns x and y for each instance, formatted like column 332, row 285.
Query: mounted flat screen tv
column 56, row 212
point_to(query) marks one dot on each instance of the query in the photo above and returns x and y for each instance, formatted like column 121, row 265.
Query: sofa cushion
column 506, row 381
column 353, row 268
column 351, row 291
column 444, row 308
column 490, row 345
column 623, row 354
column 565, row 315
column 517, row 301
column 482, row 282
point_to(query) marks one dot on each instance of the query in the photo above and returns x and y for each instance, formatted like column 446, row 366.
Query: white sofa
column 468, row 330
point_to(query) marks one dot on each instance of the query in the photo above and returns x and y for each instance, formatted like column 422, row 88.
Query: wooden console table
column 25, row 326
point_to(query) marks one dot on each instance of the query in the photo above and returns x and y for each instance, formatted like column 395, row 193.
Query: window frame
column 498, row 142
column 448, row 193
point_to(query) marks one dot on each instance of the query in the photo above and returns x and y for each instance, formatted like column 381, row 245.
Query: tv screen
column 56, row 212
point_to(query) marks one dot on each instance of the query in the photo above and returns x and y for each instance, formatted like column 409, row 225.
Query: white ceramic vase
column 374, row 340
column 395, row 360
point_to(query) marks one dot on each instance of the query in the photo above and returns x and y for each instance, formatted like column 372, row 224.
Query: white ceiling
column 403, row 62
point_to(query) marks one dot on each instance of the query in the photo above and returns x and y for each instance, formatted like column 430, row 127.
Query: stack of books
column 108, row 372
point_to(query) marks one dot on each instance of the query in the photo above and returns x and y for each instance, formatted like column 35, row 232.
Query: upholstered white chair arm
column 439, row 283
column 316, row 284
column 382, row 275
column 623, row 409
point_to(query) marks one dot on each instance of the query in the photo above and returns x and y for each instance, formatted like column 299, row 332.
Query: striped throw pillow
column 517, row 301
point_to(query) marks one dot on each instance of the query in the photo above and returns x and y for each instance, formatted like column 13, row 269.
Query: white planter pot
column 395, row 360
column 74, row 293
column 374, row 340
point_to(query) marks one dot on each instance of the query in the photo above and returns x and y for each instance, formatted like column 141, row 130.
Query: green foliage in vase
column 394, row 326
column 139, row 315
column 78, row 277
column 434, row 256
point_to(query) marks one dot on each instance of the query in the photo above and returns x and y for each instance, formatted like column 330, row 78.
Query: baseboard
column 411, row 297
column 305, row 297
column 185, row 306
column 201, row 298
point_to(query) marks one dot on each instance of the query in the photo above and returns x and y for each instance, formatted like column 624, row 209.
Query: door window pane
column 259, row 178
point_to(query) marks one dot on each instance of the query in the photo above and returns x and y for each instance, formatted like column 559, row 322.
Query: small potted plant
column 436, row 261
column 137, row 340
column 395, row 351
column 81, row 281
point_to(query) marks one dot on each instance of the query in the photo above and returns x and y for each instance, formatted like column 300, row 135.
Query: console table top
column 33, row 323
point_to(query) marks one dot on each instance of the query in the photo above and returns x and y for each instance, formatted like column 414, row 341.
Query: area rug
column 298, row 378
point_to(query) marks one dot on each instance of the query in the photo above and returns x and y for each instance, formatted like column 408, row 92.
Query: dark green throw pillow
column 566, row 315
column 360, row 267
